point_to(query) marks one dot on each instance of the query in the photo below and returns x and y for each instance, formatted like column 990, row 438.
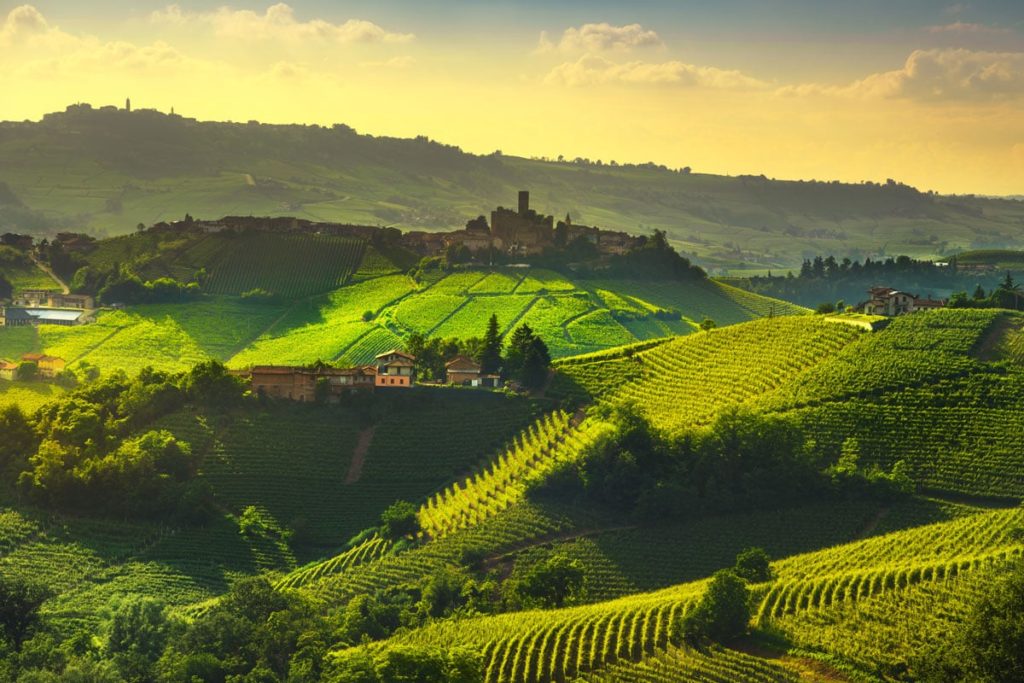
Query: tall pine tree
column 490, row 352
column 515, row 353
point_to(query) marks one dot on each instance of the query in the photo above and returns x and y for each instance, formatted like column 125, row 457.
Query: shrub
column 722, row 613
column 399, row 520
column 754, row 565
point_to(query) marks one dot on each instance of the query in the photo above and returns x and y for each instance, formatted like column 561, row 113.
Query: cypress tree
column 490, row 353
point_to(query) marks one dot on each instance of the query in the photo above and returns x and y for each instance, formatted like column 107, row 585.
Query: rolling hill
column 858, row 584
column 106, row 171
column 343, row 301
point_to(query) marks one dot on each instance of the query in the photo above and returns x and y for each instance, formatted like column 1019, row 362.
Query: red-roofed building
column 8, row 370
column 892, row 302
column 49, row 366
column 395, row 369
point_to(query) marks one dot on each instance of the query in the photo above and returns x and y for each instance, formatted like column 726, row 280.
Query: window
column 392, row 380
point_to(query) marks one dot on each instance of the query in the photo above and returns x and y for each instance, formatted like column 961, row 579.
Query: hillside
column 343, row 301
column 106, row 171
column 882, row 530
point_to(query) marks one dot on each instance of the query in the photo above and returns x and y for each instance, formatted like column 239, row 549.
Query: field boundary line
column 526, row 309
column 462, row 304
column 98, row 344
column 568, row 321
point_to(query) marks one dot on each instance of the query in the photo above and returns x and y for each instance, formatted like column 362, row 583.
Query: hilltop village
column 518, row 232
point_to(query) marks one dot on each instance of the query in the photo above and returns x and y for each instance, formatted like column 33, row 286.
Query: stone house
column 395, row 369
column 49, row 366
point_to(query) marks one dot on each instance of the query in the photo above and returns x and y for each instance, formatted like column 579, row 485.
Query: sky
column 928, row 93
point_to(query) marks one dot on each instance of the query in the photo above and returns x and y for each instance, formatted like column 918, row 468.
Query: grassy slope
column 68, row 167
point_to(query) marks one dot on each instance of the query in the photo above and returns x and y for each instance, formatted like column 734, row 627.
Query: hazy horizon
column 927, row 93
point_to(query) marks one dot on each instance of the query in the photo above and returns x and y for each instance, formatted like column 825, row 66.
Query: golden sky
column 929, row 94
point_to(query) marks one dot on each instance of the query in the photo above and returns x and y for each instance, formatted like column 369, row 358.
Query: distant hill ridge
column 108, row 170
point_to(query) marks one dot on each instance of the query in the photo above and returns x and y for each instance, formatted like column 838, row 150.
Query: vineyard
column 287, row 265
column 326, row 317
column 844, row 588
column 294, row 460
column 500, row 484
column 688, row 381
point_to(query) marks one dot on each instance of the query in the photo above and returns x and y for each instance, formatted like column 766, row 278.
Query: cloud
column 935, row 75
column 22, row 22
column 402, row 62
column 601, row 37
column 278, row 22
column 35, row 48
column 596, row 70
column 962, row 28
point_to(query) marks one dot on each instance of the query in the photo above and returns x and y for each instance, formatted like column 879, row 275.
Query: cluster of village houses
column 390, row 370
column 517, row 232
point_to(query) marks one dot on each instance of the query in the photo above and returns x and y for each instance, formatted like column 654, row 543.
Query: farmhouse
column 36, row 298
column 300, row 384
column 49, row 366
column 892, row 302
column 464, row 371
column 395, row 369
column 14, row 317
column 8, row 370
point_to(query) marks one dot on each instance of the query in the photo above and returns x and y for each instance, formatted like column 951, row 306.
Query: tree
column 515, row 351
column 536, row 362
column 989, row 647
column 551, row 582
column 6, row 288
column 707, row 324
column 722, row 613
column 27, row 370
column 19, row 609
column 490, row 353
column 753, row 565
column 994, row 632
column 19, row 438
column 399, row 520
column 137, row 634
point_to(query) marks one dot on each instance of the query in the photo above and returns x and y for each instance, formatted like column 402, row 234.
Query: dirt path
column 355, row 469
column 53, row 276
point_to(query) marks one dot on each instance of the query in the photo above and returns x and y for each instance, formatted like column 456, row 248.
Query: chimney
column 524, row 202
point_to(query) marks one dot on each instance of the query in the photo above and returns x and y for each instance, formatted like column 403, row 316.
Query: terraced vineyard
column 683, row 664
column 687, row 381
column 552, row 645
column 500, row 484
column 561, row 644
column 350, row 324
